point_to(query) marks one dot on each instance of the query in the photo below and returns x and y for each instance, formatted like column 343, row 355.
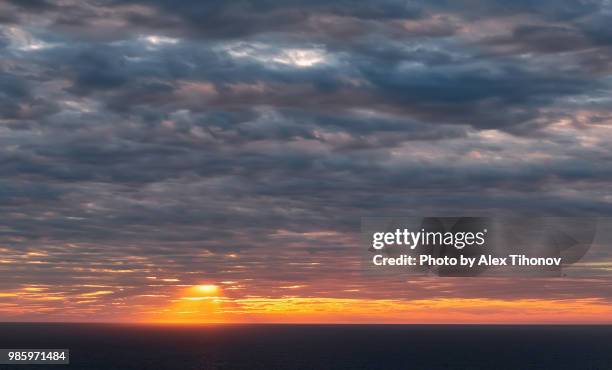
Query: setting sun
column 207, row 289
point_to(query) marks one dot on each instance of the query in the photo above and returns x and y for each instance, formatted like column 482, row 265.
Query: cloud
column 219, row 139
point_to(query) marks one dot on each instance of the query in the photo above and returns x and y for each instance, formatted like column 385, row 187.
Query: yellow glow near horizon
column 221, row 309
column 214, row 302
column 199, row 303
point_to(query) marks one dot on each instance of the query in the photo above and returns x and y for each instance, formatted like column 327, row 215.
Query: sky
column 210, row 161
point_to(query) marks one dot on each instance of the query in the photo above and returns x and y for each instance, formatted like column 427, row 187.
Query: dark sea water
column 125, row 347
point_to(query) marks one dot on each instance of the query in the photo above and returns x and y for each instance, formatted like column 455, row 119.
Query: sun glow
column 198, row 303
column 206, row 289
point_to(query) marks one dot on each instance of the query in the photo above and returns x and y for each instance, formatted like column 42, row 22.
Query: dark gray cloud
column 33, row 5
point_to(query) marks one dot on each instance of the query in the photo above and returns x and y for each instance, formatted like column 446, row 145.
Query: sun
column 207, row 289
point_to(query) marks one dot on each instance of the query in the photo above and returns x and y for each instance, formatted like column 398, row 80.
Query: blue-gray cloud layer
column 166, row 129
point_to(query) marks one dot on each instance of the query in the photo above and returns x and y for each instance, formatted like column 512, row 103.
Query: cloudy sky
column 149, row 147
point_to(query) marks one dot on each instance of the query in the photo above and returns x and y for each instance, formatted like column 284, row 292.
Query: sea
column 312, row 347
